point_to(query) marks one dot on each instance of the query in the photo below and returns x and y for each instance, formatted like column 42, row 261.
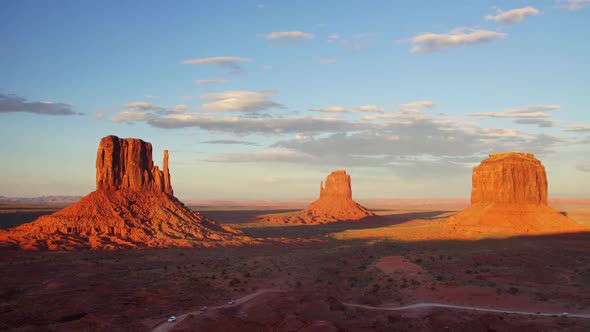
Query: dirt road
column 165, row 326
column 451, row 306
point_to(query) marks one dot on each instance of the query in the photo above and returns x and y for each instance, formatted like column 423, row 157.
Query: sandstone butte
column 508, row 198
column 133, row 207
column 335, row 204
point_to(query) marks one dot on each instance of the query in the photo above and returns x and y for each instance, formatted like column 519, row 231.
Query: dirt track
column 166, row 326
column 451, row 306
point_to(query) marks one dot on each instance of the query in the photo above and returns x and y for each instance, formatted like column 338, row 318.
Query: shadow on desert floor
column 245, row 221
column 100, row 290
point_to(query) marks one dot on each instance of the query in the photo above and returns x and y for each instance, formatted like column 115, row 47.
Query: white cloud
column 419, row 104
column 240, row 101
column 514, row 15
column 143, row 111
column 534, row 111
column 342, row 109
column 12, row 103
column 500, row 133
column 431, row 143
column 279, row 155
column 581, row 128
column 573, row 4
column 332, row 109
column 543, row 123
column 403, row 116
column 211, row 81
column 431, row 42
column 222, row 61
column 333, row 38
column 370, row 108
column 229, row 142
column 141, row 106
column 179, row 108
column 263, row 125
column 288, row 35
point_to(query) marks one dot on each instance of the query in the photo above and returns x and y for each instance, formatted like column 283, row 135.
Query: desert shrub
column 376, row 288
column 512, row 290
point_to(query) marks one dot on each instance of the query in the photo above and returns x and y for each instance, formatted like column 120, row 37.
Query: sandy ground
column 137, row 290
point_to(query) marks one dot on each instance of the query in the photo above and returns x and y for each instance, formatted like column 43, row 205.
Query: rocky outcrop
column 335, row 204
column 508, row 198
column 512, row 178
column 133, row 207
column 127, row 164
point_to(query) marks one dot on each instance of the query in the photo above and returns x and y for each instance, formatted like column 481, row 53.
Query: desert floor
column 305, row 283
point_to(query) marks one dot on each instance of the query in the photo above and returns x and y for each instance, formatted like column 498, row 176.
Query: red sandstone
column 335, row 204
column 133, row 207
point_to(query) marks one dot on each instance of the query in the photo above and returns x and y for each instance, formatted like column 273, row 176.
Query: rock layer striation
column 511, row 178
column 334, row 204
column 133, row 207
column 126, row 163
column 508, row 198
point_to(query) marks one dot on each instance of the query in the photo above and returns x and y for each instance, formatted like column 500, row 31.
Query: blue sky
column 262, row 99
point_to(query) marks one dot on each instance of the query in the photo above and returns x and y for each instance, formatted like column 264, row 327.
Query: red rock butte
column 508, row 198
column 133, row 207
column 335, row 204
column 511, row 178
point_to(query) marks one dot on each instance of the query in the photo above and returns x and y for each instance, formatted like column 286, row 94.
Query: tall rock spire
column 167, row 184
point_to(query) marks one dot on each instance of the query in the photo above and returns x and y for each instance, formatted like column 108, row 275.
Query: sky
column 263, row 99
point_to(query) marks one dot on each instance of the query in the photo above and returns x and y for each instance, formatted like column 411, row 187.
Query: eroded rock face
column 127, row 164
column 337, row 186
column 132, row 207
column 512, row 177
column 335, row 204
column 508, row 197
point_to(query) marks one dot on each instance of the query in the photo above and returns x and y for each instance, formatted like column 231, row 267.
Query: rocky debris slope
column 508, row 198
column 335, row 204
column 133, row 207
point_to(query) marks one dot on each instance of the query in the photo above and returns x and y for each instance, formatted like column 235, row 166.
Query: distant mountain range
column 41, row 199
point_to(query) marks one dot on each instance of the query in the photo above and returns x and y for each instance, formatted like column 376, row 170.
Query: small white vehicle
column 231, row 302
column 564, row 314
column 204, row 308
column 172, row 319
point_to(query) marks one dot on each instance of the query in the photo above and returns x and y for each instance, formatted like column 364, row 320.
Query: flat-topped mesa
column 126, row 163
column 509, row 177
column 337, row 185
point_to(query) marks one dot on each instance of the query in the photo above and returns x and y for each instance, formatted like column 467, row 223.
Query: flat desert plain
column 345, row 276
